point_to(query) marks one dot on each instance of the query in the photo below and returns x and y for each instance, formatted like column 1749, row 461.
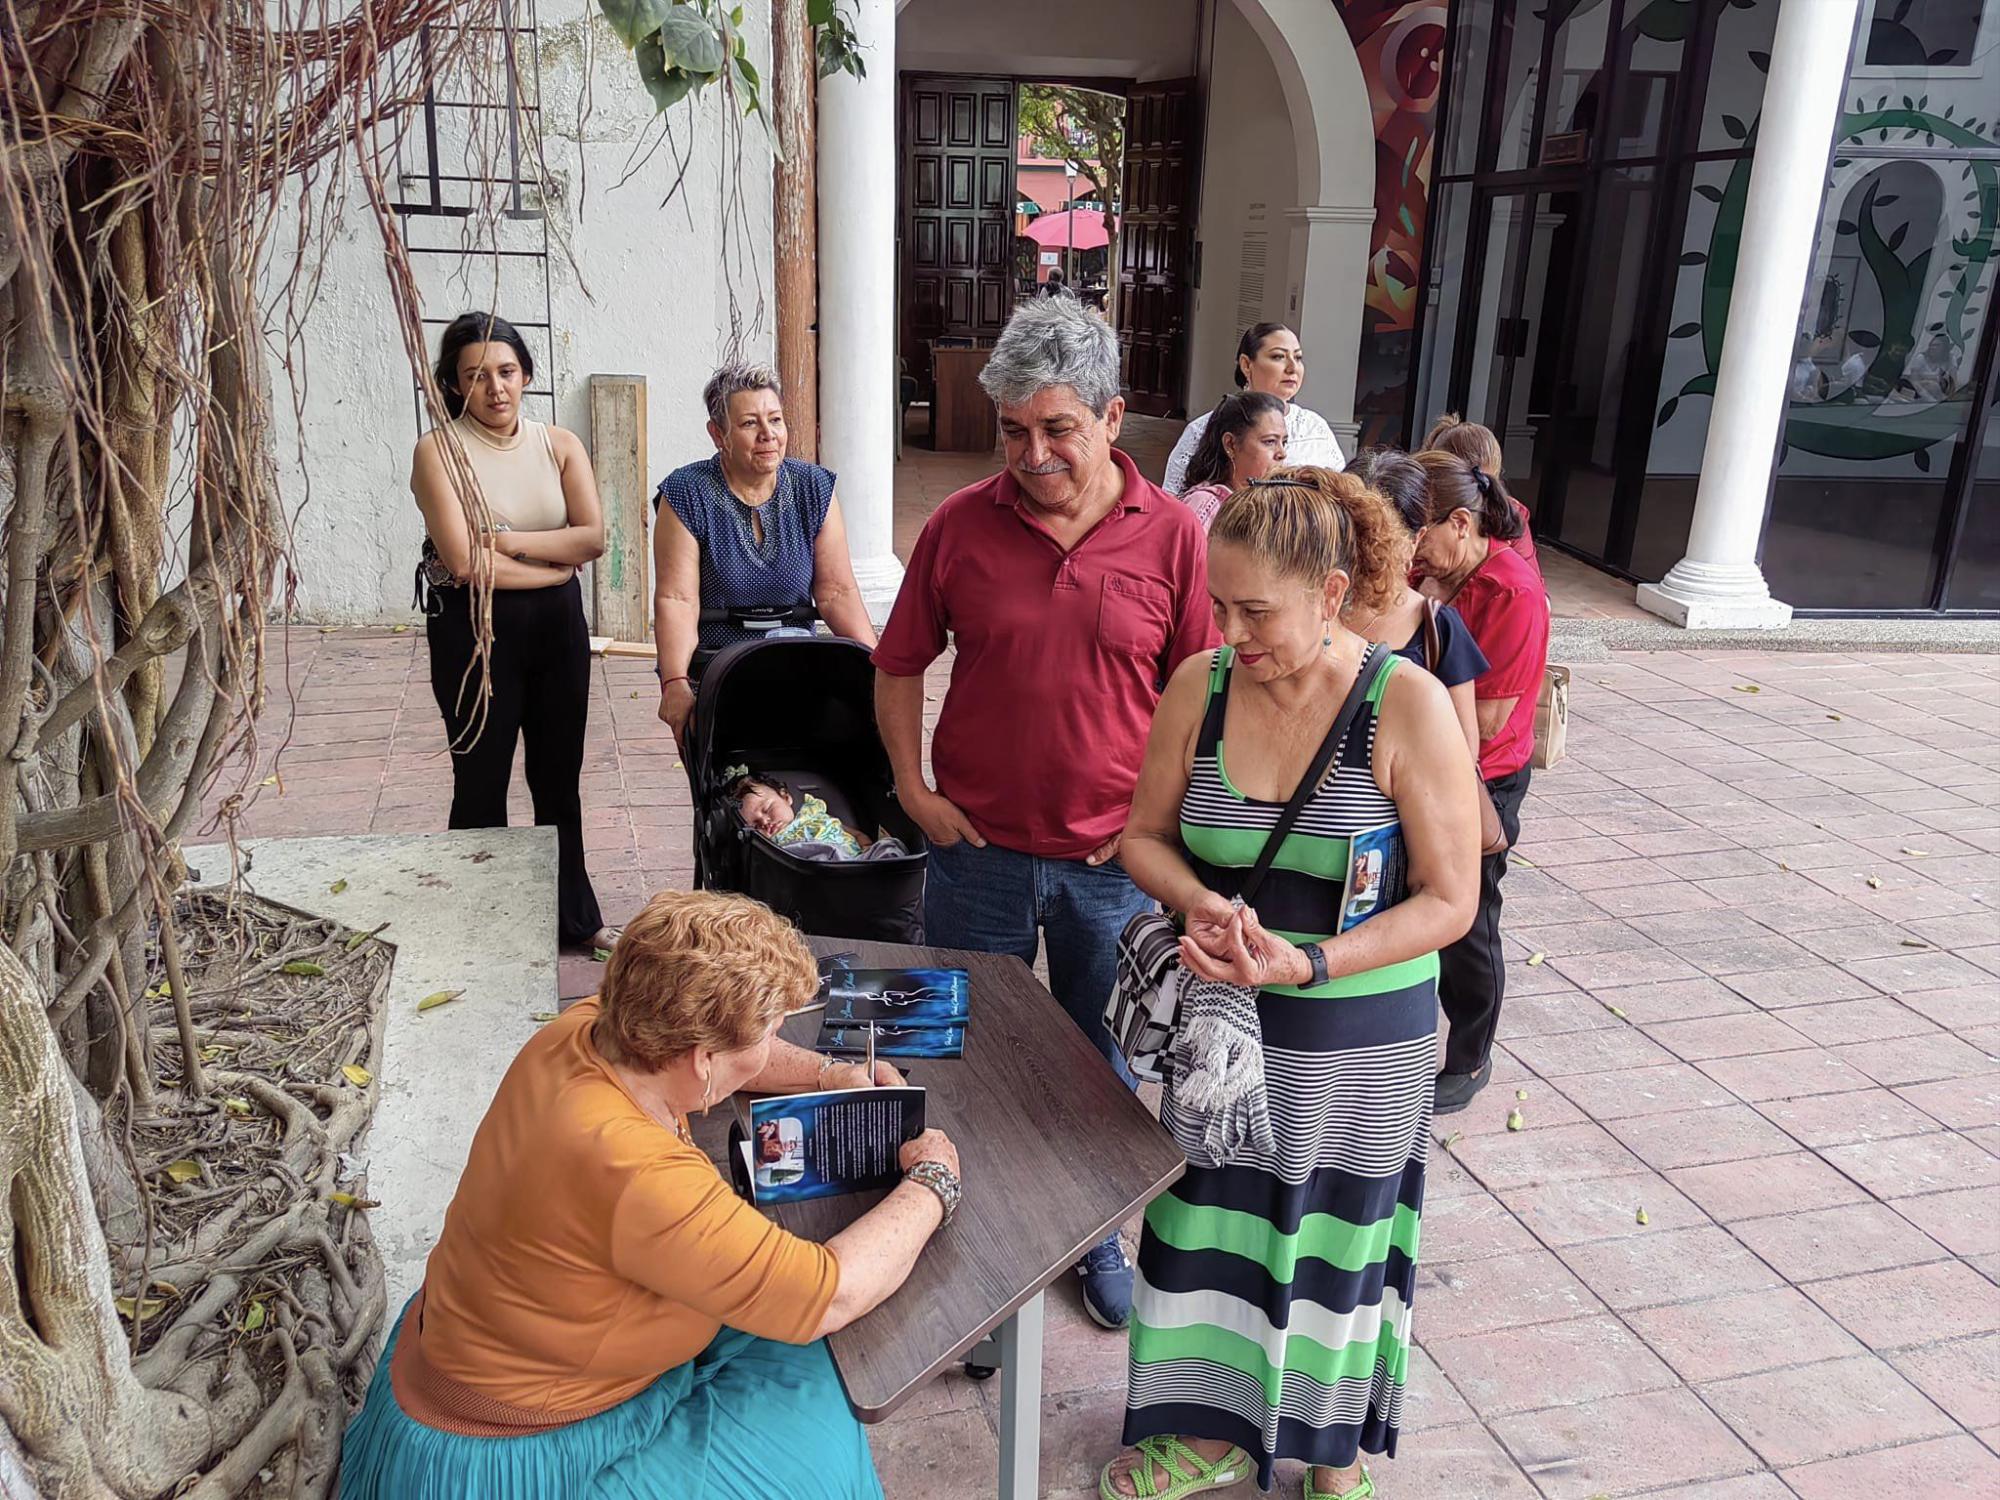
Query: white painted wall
column 641, row 290
column 1137, row 39
column 1250, row 179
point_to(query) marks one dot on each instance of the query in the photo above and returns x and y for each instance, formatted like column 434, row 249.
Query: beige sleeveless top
column 517, row 475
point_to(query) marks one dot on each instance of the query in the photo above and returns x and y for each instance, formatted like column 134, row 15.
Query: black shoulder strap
column 1364, row 678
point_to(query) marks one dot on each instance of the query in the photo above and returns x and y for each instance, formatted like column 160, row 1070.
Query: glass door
column 1975, row 576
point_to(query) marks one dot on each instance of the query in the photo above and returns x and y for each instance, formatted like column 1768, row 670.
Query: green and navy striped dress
column 1272, row 1303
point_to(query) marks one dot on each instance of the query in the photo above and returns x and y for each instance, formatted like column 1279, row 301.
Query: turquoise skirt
column 745, row 1419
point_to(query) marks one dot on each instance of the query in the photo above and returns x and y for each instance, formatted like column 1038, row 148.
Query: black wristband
column 1316, row 956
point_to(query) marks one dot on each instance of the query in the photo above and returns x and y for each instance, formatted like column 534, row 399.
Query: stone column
column 857, row 301
column 1719, row 585
column 1330, row 305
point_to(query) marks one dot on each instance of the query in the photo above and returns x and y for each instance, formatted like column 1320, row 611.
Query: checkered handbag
column 1145, row 1004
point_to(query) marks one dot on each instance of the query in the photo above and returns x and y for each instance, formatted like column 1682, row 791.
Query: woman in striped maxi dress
column 1271, row 1318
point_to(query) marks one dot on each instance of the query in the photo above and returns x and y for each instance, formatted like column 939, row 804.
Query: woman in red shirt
column 1451, row 433
column 1465, row 555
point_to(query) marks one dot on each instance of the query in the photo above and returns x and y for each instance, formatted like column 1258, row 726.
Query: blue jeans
column 996, row 900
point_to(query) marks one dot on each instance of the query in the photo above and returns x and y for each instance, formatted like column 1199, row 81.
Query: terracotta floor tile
column 1817, row 1411
column 1742, row 1334
column 1912, row 1304
column 1785, row 1075
column 1844, row 1021
column 1837, row 1242
column 1551, row 1364
column 1962, row 1376
column 1623, row 1444
column 1555, row 1154
column 1957, row 1466
column 1463, row 1462
column 1661, row 1089
column 1673, row 1265
column 1695, row 1138
column 1961, row 1103
column 1506, row 1291
column 1841, row 1119
column 1916, row 1164
column 1735, row 1190
column 1966, row 1222
column 1592, row 1051
column 1579, row 1212
column 1800, row 984
column 1726, row 1036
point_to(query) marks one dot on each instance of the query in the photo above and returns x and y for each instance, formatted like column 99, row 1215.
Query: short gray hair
column 1053, row 341
column 733, row 380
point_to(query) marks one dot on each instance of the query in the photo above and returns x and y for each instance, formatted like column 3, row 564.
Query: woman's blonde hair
column 1470, row 441
column 1308, row 522
column 699, row 969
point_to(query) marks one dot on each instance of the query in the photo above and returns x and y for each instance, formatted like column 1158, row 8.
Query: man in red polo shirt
column 1071, row 588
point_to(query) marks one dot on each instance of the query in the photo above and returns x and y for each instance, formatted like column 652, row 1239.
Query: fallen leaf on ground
column 1535, row 959
column 678, row 766
column 442, row 997
column 1640, row 1217
column 1834, row 717
column 602, row 955
column 1917, row 853
column 1915, row 943
column 336, row 888
column 1874, row 882
column 211, row 1053
column 1616, row 1011
column 357, row 940
column 1514, row 1120
column 1451, row 1140
column 131, row 1307
column 1520, row 862
column 357, row 1075
column 304, row 968
column 268, row 781
column 1748, row 687
column 348, row 1200
column 254, row 1318
column 1783, row 866
column 399, row 630
column 542, row 1017
column 1521, row 1094
column 183, row 1170
column 236, row 1106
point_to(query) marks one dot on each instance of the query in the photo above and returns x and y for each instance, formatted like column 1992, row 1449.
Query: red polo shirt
column 1507, row 610
column 1061, row 655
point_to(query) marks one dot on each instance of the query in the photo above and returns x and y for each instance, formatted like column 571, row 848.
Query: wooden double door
column 957, row 217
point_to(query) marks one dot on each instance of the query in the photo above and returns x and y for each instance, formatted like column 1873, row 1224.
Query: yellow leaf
column 1834, row 717
column 1616, row 1011
column 166, row 1289
column 357, row 1075
column 157, row 992
column 677, row 765
column 542, row 1017
column 1514, row 1120
column 131, row 1307
column 1521, row 863
column 268, row 781
column 304, row 968
column 1917, row 853
column 210, row 1054
column 1914, row 943
column 442, row 997
column 1535, row 959
column 1451, row 1140
column 1641, row 1217
column 399, row 630
column 336, row 888
column 254, row 1318
column 348, row 1200
column 236, row 1106
column 1521, row 1094
column 1748, row 687
column 183, row 1170
column 1783, row 866
column 1874, row 882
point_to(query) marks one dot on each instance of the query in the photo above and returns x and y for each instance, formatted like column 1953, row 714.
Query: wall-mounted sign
column 1566, row 150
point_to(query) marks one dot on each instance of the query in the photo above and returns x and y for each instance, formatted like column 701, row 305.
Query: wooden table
column 965, row 421
column 1056, row 1152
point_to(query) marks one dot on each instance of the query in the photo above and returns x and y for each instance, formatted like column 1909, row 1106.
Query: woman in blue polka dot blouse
column 744, row 528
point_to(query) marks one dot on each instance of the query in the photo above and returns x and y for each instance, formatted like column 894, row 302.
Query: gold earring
column 707, row 1090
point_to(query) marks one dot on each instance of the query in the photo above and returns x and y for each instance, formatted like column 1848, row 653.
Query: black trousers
column 1472, row 972
column 541, row 697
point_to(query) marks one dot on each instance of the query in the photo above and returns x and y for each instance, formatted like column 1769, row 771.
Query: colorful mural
column 1401, row 45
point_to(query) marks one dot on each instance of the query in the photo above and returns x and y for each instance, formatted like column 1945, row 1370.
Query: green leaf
column 254, row 1318
column 441, row 997
column 634, row 19
column 183, row 1170
column 667, row 86
column 746, row 74
column 1514, row 1120
column 304, row 968
column 819, row 12
column 690, row 41
column 336, row 888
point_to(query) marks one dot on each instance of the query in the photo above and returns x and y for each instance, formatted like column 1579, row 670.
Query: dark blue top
column 737, row 570
column 1459, row 657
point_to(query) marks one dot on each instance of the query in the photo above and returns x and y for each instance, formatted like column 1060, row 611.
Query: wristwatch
column 1316, row 956
column 941, row 1180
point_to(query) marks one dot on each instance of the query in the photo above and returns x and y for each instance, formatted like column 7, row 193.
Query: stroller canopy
column 788, row 702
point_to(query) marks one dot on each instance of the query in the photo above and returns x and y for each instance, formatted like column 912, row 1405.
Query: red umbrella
column 1072, row 229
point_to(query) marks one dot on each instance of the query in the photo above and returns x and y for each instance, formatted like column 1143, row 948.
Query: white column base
column 879, row 578
column 1715, row 596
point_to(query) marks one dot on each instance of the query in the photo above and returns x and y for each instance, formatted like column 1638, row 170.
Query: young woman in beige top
column 546, row 523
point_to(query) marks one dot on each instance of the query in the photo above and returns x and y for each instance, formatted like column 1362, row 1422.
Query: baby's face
column 764, row 810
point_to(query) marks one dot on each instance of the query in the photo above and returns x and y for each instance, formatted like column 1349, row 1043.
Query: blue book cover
column 899, row 997
column 1377, row 875
column 892, row 1039
column 800, row 1146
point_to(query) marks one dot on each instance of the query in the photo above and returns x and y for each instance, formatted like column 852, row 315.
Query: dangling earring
column 707, row 1090
column 1327, row 639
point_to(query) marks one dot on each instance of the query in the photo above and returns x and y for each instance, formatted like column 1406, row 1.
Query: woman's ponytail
column 1497, row 516
column 1460, row 484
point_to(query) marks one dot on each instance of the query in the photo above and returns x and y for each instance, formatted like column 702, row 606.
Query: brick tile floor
column 1768, row 1015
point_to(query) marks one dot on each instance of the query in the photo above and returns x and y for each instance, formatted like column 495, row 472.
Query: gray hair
column 1053, row 341
column 733, row 380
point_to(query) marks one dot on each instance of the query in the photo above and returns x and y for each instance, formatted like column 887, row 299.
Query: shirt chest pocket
column 1134, row 617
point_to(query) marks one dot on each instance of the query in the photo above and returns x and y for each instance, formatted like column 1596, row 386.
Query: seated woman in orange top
column 602, row 1315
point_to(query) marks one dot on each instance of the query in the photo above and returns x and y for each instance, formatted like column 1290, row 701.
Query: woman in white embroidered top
column 1268, row 359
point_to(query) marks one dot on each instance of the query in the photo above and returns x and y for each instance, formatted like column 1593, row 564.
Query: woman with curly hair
column 1271, row 1318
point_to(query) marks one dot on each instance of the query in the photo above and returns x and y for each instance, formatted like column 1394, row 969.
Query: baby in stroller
column 811, row 832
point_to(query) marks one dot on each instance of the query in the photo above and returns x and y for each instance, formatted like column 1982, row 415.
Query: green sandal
column 1189, row 1472
column 1360, row 1492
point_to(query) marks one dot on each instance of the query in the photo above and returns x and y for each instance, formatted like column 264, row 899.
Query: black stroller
column 803, row 710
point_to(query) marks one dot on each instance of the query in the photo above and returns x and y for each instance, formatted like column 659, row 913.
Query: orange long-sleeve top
column 587, row 1251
